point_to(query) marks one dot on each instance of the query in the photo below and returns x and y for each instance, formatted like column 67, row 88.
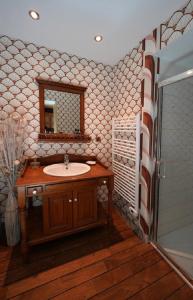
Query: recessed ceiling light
column 34, row 14
column 98, row 38
column 189, row 72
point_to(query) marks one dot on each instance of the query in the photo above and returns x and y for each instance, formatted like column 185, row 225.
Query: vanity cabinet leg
column 110, row 200
column 24, row 245
column 23, row 223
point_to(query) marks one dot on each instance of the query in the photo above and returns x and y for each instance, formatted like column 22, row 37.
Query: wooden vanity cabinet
column 57, row 212
column 69, row 204
column 69, row 207
column 85, row 204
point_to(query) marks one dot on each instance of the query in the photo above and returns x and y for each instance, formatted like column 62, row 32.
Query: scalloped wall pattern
column 111, row 91
column 21, row 63
column 180, row 22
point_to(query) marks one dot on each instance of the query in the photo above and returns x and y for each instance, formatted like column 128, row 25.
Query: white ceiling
column 70, row 25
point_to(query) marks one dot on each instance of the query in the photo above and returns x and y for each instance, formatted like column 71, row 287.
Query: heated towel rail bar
column 126, row 159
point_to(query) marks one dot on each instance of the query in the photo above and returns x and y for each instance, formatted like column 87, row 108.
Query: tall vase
column 12, row 227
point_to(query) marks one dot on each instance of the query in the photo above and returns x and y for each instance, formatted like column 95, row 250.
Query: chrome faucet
column 66, row 160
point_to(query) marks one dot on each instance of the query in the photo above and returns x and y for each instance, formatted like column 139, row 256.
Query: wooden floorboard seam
column 153, row 283
column 58, row 252
column 98, row 294
column 92, row 264
column 80, row 259
column 114, row 265
column 126, row 229
column 120, row 288
column 177, row 292
column 116, row 284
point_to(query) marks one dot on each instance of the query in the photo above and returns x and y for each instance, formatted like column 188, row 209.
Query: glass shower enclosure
column 174, row 222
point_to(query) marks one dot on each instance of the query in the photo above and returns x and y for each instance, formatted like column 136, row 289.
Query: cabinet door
column 57, row 212
column 85, row 204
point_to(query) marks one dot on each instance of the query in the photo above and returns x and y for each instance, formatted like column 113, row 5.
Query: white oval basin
column 60, row 169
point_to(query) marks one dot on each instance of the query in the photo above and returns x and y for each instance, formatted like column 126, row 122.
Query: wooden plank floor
column 92, row 265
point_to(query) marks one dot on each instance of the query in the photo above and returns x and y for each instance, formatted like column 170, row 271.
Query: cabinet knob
column 104, row 181
column 69, row 200
column 34, row 192
column 75, row 199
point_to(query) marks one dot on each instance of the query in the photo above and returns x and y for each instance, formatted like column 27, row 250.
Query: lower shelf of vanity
column 36, row 234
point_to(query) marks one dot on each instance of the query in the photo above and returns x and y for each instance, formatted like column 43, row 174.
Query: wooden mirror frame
column 62, row 87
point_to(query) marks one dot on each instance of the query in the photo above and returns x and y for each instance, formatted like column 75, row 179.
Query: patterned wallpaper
column 151, row 44
column 127, row 84
column 21, row 63
column 135, row 89
column 127, row 100
column 179, row 23
column 67, row 110
column 111, row 91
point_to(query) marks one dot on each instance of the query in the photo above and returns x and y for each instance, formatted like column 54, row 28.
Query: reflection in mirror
column 62, row 112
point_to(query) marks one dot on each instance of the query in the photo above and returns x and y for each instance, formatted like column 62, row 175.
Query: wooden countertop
column 37, row 176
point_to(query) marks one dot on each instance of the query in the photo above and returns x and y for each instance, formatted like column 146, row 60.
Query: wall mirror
column 61, row 111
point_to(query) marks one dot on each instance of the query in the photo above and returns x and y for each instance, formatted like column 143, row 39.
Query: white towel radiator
column 126, row 159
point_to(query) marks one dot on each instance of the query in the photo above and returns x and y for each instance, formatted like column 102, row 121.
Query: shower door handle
column 159, row 164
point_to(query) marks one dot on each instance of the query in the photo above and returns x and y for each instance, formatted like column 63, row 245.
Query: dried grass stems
column 12, row 135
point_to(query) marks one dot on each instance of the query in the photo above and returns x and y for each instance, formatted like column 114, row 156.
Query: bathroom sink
column 60, row 169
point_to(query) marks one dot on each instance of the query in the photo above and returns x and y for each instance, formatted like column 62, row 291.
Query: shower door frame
column 158, row 134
